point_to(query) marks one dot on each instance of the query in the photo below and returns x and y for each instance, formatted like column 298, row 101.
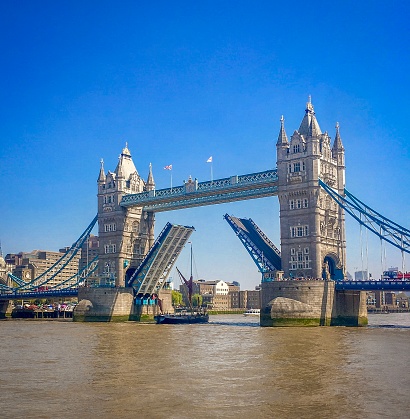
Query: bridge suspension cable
column 378, row 224
column 50, row 274
column 77, row 279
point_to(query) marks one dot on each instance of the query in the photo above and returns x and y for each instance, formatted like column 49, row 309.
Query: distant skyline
column 182, row 81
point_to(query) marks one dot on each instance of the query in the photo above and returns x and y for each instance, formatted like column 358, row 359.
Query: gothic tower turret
column 312, row 224
column 150, row 216
column 124, row 234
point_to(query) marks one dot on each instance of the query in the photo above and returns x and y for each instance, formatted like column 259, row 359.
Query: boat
column 183, row 318
column 252, row 312
column 186, row 316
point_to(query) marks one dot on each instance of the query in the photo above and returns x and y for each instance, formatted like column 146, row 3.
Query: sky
column 182, row 81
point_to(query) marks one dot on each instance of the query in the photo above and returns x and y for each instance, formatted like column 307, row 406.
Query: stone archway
column 332, row 268
column 128, row 274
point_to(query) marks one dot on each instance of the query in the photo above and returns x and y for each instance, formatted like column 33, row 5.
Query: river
column 229, row 368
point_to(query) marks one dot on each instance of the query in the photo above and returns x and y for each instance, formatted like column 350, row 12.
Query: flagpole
column 210, row 160
column 169, row 167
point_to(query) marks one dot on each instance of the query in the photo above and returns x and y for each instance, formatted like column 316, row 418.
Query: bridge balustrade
column 194, row 193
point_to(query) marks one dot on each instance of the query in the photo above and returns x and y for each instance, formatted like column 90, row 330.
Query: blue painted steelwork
column 78, row 279
column 19, row 281
column 139, row 274
column 384, row 228
column 194, row 193
column 263, row 252
column 67, row 287
column 150, row 276
column 35, row 288
column 373, row 285
column 70, row 292
column 57, row 267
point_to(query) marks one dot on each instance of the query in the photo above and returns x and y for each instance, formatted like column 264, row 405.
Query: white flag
column 209, row 160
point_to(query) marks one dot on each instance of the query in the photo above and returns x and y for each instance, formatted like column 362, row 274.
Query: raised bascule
column 303, row 283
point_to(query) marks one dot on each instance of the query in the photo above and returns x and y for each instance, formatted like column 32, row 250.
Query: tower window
column 296, row 148
column 110, row 227
column 110, row 248
column 296, row 167
column 299, row 231
column 291, row 204
column 305, row 203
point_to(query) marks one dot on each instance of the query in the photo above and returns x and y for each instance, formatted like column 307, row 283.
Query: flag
column 209, row 160
column 168, row 167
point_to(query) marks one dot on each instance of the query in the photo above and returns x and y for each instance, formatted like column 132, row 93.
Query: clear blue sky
column 181, row 81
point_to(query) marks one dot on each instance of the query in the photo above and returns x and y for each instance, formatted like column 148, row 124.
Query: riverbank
column 388, row 310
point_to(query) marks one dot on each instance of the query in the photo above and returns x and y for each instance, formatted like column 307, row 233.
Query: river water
column 229, row 368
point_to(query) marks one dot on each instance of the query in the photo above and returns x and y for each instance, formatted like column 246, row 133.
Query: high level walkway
column 194, row 194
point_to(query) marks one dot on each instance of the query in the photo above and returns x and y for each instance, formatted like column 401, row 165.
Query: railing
column 193, row 186
column 373, row 285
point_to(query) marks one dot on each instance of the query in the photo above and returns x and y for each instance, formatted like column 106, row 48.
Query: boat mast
column 191, row 278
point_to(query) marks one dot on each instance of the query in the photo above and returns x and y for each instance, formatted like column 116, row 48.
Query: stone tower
column 313, row 243
column 125, row 235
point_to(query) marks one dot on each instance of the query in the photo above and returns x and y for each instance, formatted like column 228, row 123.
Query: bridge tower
column 125, row 234
column 312, row 226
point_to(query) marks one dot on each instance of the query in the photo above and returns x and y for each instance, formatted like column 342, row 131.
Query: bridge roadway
column 15, row 295
column 384, row 285
column 194, row 194
column 378, row 285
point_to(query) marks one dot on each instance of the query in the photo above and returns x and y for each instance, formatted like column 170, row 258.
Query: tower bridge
column 309, row 181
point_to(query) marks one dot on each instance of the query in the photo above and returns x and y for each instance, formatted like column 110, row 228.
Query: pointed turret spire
column 125, row 166
column 118, row 170
column 150, row 185
column 338, row 145
column 101, row 176
column 282, row 138
column 309, row 127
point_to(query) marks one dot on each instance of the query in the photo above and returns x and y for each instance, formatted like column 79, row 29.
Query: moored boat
column 182, row 318
column 185, row 317
column 252, row 312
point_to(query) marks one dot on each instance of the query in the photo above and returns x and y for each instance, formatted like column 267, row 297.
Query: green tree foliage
column 197, row 300
column 176, row 298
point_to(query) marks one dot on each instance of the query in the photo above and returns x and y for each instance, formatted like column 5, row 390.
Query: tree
column 197, row 300
column 176, row 298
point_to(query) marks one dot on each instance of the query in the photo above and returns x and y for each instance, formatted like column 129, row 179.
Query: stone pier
column 311, row 303
column 116, row 305
column 5, row 308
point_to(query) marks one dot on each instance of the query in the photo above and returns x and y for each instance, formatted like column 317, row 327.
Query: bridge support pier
column 311, row 303
column 5, row 308
column 115, row 305
column 349, row 308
